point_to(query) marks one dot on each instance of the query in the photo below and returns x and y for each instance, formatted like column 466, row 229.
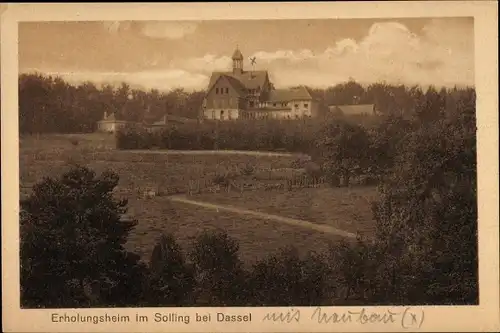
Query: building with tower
column 249, row 94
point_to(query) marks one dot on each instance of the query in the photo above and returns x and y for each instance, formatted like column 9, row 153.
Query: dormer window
column 227, row 90
column 216, row 91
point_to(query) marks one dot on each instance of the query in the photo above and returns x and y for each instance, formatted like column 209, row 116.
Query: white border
column 484, row 317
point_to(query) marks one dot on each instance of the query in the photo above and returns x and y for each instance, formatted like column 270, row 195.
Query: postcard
column 250, row 167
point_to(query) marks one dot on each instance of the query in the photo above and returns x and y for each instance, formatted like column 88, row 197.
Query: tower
column 237, row 61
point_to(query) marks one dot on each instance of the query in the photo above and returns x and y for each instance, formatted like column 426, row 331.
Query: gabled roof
column 353, row 109
column 249, row 79
column 282, row 95
column 236, row 84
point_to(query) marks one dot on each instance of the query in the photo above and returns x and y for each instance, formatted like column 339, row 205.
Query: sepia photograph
column 235, row 163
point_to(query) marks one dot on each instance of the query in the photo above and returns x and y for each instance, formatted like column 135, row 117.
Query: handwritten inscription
column 408, row 318
column 293, row 315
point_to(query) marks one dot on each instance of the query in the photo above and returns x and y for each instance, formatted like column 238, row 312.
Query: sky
column 166, row 55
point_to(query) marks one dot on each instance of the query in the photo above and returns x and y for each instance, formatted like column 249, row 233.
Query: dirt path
column 210, row 152
column 286, row 220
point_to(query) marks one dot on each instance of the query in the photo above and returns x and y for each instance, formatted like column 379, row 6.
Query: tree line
column 48, row 104
column 424, row 250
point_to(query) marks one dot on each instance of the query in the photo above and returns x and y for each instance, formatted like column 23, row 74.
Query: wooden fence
column 204, row 186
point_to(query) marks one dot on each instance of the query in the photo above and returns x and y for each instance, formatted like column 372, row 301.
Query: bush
column 222, row 180
column 171, row 281
column 270, row 135
column 313, row 170
column 427, row 216
column 248, row 170
column 219, row 271
column 343, row 150
column 72, row 238
column 74, row 141
column 286, row 280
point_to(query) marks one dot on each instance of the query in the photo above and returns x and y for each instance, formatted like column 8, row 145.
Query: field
column 140, row 172
column 343, row 208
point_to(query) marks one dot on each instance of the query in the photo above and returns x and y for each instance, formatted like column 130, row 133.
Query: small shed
column 111, row 123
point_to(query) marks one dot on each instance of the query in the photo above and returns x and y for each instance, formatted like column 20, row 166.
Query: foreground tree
column 285, row 279
column 72, row 236
column 219, row 271
column 342, row 150
column 171, row 280
column 385, row 144
column 427, row 217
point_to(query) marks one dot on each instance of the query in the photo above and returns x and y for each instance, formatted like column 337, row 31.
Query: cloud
column 206, row 64
column 169, row 30
column 442, row 55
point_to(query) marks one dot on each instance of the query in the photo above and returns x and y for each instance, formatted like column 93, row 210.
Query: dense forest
column 49, row 104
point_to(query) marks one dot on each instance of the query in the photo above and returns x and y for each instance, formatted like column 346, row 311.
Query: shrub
column 270, row 135
column 221, row 180
column 171, row 281
column 219, row 271
column 72, row 238
column 286, row 280
column 427, row 216
column 248, row 170
column 313, row 170
column 343, row 150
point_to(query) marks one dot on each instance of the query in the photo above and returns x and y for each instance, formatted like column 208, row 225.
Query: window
column 227, row 90
column 274, row 104
column 216, row 91
column 306, row 105
column 251, row 104
column 221, row 114
column 296, row 105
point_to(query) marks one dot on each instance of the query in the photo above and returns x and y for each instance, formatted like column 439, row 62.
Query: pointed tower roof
column 237, row 54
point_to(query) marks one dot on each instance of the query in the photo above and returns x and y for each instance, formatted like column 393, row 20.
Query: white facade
column 221, row 114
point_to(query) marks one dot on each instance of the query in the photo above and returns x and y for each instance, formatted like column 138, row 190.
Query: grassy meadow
column 342, row 208
column 347, row 209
